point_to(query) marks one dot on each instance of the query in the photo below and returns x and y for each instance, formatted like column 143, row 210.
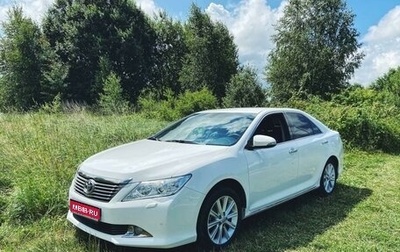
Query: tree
column 212, row 55
column 389, row 86
column 112, row 99
column 244, row 90
column 54, row 73
column 389, row 82
column 82, row 32
column 169, row 55
column 316, row 50
column 21, row 54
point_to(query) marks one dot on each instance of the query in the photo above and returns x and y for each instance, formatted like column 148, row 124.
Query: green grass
column 39, row 154
column 362, row 215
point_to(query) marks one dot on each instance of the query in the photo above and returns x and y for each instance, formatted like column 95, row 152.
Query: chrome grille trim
column 103, row 190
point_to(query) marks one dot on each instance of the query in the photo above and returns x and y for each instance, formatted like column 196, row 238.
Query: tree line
column 80, row 44
column 91, row 52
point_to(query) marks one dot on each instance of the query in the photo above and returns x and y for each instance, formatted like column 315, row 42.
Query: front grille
column 103, row 190
column 103, row 227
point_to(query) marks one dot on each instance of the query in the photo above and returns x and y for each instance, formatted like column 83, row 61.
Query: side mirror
column 261, row 141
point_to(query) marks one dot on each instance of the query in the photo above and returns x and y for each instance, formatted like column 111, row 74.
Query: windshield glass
column 207, row 128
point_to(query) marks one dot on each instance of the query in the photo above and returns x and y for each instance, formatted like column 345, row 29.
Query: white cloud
column 387, row 28
column 34, row 9
column 251, row 22
column 148, row 7
column 381, row 46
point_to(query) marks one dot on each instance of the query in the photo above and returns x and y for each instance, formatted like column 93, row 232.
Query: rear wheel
column 219, row 219
column 328, row 179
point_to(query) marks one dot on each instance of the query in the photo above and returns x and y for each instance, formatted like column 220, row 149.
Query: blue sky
column 251, row 23
column 369, row 12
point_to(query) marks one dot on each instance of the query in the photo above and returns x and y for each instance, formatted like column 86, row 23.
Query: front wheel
column 219, row 219
column 328, row 179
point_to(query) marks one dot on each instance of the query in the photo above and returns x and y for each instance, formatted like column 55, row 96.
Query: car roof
column 250, row 110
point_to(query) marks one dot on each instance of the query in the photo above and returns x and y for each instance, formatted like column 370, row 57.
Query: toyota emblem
column 89, row 186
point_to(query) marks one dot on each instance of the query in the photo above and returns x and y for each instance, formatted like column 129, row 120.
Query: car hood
column 149, row 159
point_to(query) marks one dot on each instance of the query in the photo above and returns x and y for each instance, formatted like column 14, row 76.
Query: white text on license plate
column 84, row 210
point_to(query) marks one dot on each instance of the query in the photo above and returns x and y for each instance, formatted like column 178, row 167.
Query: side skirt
column 278, row 202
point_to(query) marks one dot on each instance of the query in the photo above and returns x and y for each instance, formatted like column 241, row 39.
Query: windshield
column 207, row 128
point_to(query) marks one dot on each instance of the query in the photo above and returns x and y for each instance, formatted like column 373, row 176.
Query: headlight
column 157, row 188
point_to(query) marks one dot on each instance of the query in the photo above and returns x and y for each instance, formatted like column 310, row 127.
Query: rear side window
column 301, row 126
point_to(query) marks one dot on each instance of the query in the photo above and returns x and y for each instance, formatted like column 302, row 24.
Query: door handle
column 292, row 150
column 324, row 142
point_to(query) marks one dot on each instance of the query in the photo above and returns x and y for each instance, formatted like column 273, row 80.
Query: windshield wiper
column 153, row 138
column 181, row 141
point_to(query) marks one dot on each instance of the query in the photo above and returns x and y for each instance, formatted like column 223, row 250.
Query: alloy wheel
column 222, row 220
column 329, row 178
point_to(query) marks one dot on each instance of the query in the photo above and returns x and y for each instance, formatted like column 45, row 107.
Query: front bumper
column 171, row 221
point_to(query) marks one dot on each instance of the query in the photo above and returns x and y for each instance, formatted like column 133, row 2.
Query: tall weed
column 41, row 152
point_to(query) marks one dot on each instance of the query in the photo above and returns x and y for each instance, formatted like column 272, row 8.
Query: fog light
column 134, row 231
column 138, row 231
column 131, row 230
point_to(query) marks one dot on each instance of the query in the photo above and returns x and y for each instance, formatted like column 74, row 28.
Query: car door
column 312, row 149
column 272, row 171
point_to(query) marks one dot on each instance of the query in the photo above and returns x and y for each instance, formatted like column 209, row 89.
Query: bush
column 367, row 127
column 163, row 109
column 172, row 108
column 191, row 102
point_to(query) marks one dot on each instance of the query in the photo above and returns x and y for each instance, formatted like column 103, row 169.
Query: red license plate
column 84, row 210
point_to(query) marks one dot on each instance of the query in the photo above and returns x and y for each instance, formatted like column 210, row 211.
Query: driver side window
column 274, row 126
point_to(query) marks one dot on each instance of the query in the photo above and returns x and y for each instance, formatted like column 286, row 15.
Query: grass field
column 39, row 154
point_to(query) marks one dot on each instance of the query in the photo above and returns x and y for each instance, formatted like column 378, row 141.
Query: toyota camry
column 197, row 179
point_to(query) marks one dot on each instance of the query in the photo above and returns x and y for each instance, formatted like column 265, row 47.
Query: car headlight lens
column 157, row 188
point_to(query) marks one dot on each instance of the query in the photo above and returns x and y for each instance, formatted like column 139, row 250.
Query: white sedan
column 200, row 177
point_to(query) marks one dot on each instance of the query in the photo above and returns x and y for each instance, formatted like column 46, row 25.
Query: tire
column 328, row 179
column 219, row 219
